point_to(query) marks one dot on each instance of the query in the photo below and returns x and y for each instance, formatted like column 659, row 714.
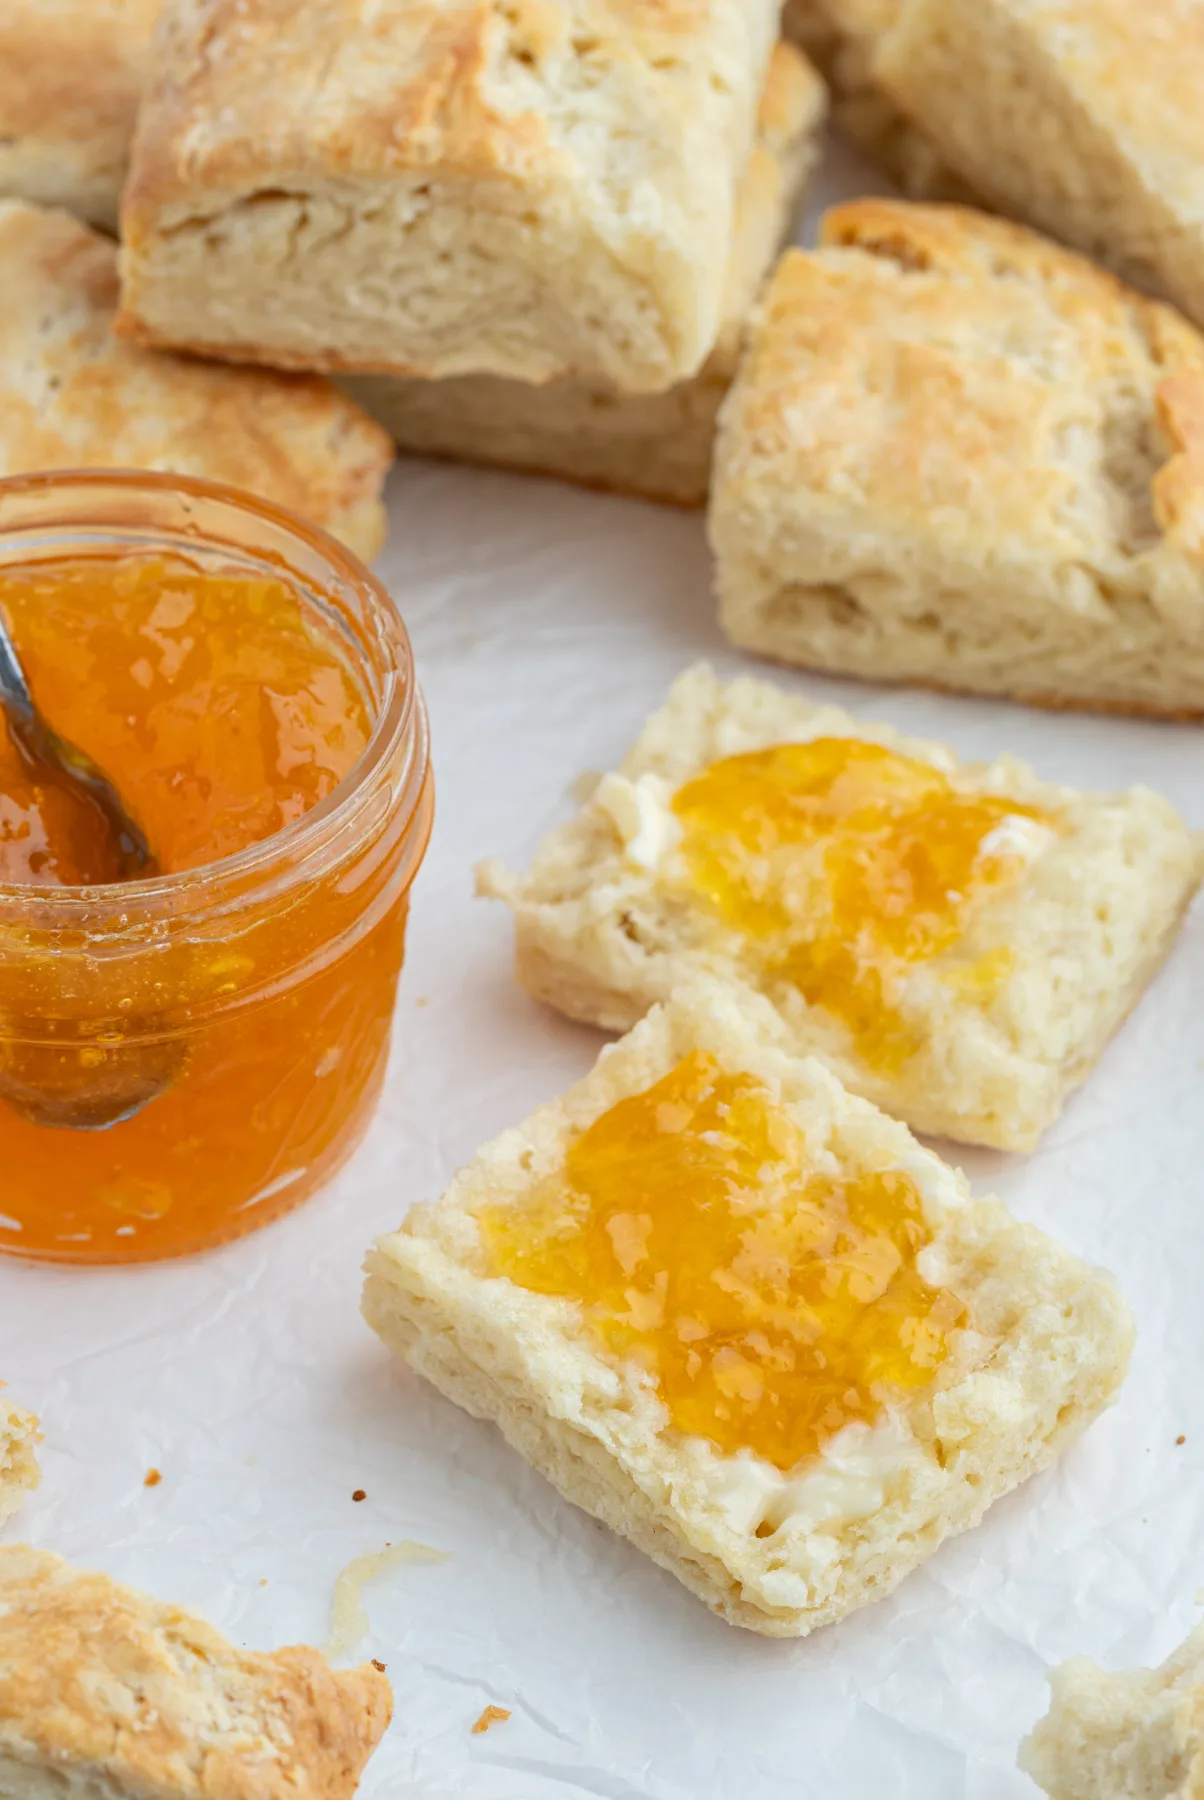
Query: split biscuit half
column 665, row 1287
column 734, row 841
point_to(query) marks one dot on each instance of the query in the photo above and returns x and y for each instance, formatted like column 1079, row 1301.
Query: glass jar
column 252, row 998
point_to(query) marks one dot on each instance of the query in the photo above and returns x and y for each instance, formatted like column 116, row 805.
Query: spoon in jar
column 81, row 1086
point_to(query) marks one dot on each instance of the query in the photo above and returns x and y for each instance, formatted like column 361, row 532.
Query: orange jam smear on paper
column 771, row 1304
column 844, row 864
column 222, row 708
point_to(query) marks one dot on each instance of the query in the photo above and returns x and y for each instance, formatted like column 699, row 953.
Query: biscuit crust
column 19, row 1471
column 841, row 36
column 654, row 446
column 1134, row 1735
column 103, row 1691
column 962, row 456
column 71, row 76
column 1047, row 1348
column 602, row 938
column 445, row 188
column 76, row 397
column 1081, row 117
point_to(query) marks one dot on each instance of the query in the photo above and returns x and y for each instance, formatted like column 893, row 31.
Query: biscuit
column 1137, row 1735
column 18, row 1465
column 74, row 396
column 657, row 446
column 959, row 455
column 1027, row 1345
column 104, row 1691
column 841, row 36
column 71, row 75
column 528, row 190
column 978, row 1032
column 1082, row 118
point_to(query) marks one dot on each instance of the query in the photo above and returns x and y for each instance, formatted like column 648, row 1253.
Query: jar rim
column 401, row 714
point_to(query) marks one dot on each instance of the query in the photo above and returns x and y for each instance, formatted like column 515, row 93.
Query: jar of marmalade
column 186, row 1056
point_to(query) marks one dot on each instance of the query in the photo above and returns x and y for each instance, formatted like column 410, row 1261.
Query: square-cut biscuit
column 105, row 1692
column 1135, row 1735
column 999, row 1025
column 587, row 430
column 1079, row 116
column 443, row 188
column 18, row 1464
column 841, row 37
column 74, row 396
column 71, row 75
column 959, row 455
column 1041, row 1346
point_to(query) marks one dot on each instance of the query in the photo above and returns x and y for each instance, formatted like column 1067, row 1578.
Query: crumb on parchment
column 152, row 1478
column 492, row 1715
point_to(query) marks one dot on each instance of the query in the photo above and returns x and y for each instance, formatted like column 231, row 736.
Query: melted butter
column 843, row 865
column 773, row 1306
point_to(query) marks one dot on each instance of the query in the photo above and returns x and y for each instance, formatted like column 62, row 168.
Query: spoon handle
column 14, row 690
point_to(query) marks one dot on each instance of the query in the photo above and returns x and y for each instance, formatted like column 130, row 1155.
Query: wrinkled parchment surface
column 547, row 623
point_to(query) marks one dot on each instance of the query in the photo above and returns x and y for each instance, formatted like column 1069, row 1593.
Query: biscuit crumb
column 492, row 1715
column 1180, row 1440
column 152, row 1478
column 359, row 1494
column 378, row 1666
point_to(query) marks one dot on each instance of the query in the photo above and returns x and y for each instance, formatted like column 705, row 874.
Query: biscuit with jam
column 957, row 941
column 746, row 1320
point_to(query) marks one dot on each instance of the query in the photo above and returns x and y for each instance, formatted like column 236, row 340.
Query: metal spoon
column 80, row 1086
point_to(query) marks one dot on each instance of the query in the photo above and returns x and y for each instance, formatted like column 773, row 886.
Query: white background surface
column 547, row 623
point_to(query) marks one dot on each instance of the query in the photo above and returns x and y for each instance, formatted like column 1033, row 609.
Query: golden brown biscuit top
column 73, row 70
column 72, row 395
column 97, row 1674
column 251, row 89
column 950, row 371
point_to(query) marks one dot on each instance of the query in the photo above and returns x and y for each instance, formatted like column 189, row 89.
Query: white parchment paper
column 547, row 623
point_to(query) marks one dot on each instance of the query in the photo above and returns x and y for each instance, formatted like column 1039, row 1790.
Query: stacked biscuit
column 940, row 448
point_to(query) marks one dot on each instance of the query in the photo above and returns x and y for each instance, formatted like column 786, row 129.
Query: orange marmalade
column 770, row 1304
column 844, row 864
column 184, row 1057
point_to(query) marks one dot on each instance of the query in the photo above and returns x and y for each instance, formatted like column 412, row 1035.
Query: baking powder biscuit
column 841, row 37
column 657, row 446
column 529, row 190
column 1081, row 117
column 71, row 75
column 103, row 1691
column 1137, row 1735
column 18, row 1465
column 73, row 396
column 978, row 1028
column 959, row 455
column 672, row 1406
